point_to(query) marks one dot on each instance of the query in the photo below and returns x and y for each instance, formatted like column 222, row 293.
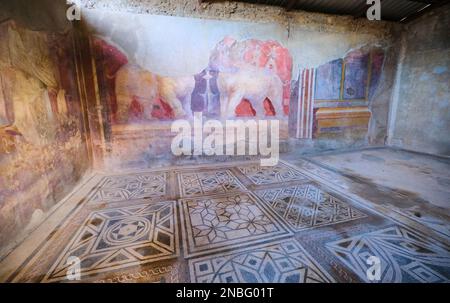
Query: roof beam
column 419, row 13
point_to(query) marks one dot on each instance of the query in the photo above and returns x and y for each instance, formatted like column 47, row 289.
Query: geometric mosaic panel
column 260, row 175
column 132, row 186
column 306, row 206
column 279, row 262
column 405, row 256
column 210, row 182
column 121, row 237
column 220, row 222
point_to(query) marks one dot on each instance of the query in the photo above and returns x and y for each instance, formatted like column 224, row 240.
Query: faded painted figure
column 255, row 72
column 253, row 85
column 151, row 91
column 243, row 78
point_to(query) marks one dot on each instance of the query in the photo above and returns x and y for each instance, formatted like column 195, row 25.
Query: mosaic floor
column 231, row 222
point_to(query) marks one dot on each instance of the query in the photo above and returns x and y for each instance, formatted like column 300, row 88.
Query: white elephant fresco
column 252, row 71
column 253, row 85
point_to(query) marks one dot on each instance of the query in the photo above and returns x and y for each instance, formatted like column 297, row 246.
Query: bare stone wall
column 420, row 113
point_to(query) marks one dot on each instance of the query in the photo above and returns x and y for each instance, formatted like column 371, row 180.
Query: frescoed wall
column 158, row 69
column 333, row 100
column 247, row 78
column 104, row 92
column 43, row 152
column 243, row 79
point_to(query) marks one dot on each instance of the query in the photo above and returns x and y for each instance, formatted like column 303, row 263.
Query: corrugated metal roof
column 392, row 10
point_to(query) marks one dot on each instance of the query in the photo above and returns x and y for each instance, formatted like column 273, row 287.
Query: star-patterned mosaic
column 279, row 262
column 130, row 186
column 261, row 175
column 220, row 222
column 307, row 206
column 209, row 182
column 238, row 223
column 405, row 255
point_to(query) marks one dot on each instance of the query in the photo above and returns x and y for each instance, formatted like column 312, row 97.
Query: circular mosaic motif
column 127, row 230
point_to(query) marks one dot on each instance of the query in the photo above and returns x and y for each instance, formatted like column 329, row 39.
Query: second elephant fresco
column 243, row 78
